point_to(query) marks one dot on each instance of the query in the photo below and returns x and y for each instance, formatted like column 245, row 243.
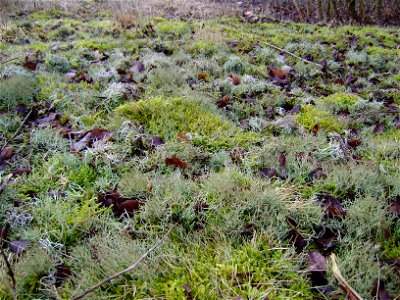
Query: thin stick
column 9, row 269
column 350, row 292
column 290, row 53
column 10, row 60
column 130, row 268
column 19, row 128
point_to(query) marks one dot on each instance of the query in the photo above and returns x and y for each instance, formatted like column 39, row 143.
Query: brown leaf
column 317, row 173
column 30, row 65
column 200, row 206
column 378, row 290
column 203, row 76
column 62, row 273
column 6, row 154
column 354, row 143
column 153, row 142
column 176, row 162
column 316, row 262
column 235, row 79
column 327, row 239
column 295, row 236
column 315, row 129
column 282, row 159
column 379, row 128
column 225, row 101
column 119, row 204
column 92, row 136
column 19, row 246
column 188, row 292
column 267, row 172
column 21, row 171
column 395, row 206
column 278, row 73
column 333, row 207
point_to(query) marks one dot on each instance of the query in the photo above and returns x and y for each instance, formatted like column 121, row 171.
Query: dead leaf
column 62, row 273
column 378, row 290
column 188, row 292
column 21, row 171
column 5, row 154
column 282, row 159
column 224, row 102
column 203, row 76
column 379, row 128
column 395, row 206
column 295, row 236
column 327, row 239
column 235, row 79
column 175, row 162
column 317, row 174
column 333, row 207
column 19, row 246
column 119, row 204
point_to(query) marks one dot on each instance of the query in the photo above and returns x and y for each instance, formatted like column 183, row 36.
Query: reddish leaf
column 30, row 65
column 200, row 206
column 317, row 173
column 62, row 273
column 203, row 76
column 295, row 236
column 315, row 129
column 154, row 142
column 333, row 207
column 129, row 206
column 282, row 159
column 176, row 162
column 235, row 79
column 119, row 204
column 354, row 143
column 224, row 102
column 379, row 128
column 395, row 206
column 5, row 154
column 267, row 172
column 188, row 292
column 316, row 262
column 278, row 73
column 19, row 246
column 378, row 290
column 21, row 171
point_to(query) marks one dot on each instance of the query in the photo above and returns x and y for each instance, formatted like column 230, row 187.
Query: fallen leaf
column 5, row 154
column 354, row 143
column 188, row 292
column 267, row 172
column 317, row 173
column 378, row 128
column 119, row 204
column 203, row 76
column 295, row 236
column 62, row 273
column 19, row 246
column 282, row 159
column 224, row 102
column 295, row 110
column 378, row 290
column 333, row 207
column 317, row 269
column 176, row 162
column 153, row 142
column 327, row 239
column 235, row 79
column 200, row 206
column 21, row 171
column 395, row 206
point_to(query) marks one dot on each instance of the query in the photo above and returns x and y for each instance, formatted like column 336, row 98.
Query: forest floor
column 265, row 163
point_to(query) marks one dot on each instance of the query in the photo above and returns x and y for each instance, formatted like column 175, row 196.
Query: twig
column 18, row 129
column 130, row 268
column 290, row 53
column 10, row 60
column 350, row 292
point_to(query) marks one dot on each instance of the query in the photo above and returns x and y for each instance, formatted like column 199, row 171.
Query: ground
column 115, row 130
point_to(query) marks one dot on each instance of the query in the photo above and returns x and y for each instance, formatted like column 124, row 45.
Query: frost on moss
column 11, row 93
column 312, row 116
column 168, row 118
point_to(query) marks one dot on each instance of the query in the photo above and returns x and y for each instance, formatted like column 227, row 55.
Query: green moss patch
column 168, row 118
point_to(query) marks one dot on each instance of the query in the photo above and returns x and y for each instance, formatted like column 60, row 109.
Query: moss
column 12, row 94
column 175, row 27
column 215, row 271
column 168, row 118
column 339, row 101
column 312, row 116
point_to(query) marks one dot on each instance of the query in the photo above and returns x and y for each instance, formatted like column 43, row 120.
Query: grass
column 200, row 131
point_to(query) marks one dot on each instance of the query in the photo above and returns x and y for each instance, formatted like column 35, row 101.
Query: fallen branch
column 18, row 129
column 10, row 60
column 290, row 53
column 350, row 292
column 130, row 268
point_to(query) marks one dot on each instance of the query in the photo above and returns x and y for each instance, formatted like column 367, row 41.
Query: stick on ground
column 130, row 268
column 350, row 292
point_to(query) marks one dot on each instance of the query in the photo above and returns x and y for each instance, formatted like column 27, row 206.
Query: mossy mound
column 169, row 118
column 312, row 116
